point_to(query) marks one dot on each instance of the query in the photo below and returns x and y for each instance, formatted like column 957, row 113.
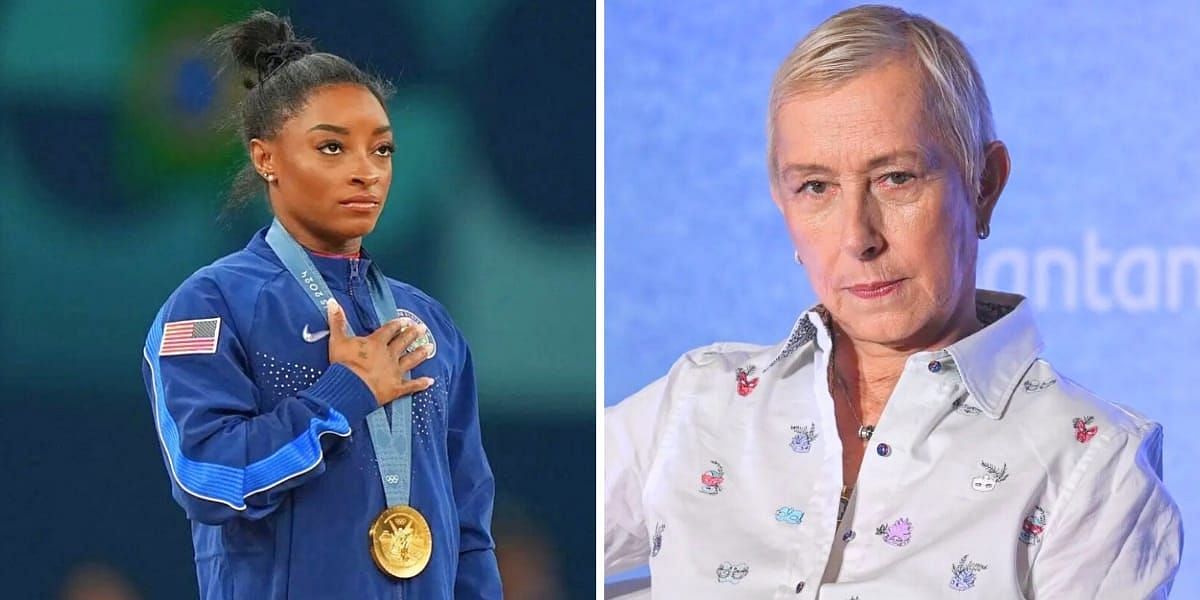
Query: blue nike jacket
column 267, row 445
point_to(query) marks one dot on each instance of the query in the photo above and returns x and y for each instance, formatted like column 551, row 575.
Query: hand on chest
column 290, row 350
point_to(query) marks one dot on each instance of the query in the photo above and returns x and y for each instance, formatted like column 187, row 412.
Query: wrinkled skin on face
column 871, row 197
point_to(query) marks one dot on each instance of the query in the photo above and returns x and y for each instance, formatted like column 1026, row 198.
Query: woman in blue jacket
column 318, row 420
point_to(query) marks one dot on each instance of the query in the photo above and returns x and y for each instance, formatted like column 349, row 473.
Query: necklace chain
column 864, row 431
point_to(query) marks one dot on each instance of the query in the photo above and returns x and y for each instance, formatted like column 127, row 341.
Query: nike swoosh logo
column 311, row 337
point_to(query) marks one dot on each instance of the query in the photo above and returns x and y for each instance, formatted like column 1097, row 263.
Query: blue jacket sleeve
column 226, row 457
column 474, row 490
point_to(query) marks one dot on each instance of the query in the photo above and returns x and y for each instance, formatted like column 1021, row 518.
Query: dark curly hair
column 286, row 71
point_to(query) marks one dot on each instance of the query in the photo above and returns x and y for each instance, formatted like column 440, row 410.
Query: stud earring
column 796, row 255
column 984, row 231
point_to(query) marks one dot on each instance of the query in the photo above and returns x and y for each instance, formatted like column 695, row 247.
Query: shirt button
column 883, row 450
column 935, row 366
column 799, row 587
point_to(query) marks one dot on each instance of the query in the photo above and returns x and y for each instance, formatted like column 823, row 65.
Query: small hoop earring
column 984, row 231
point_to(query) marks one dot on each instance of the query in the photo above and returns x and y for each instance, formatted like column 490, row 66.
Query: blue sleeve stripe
column 222, row 483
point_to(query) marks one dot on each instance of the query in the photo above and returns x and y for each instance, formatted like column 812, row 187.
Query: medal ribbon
column 393, row 441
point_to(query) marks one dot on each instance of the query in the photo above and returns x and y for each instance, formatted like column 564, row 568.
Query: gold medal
column 401, row 542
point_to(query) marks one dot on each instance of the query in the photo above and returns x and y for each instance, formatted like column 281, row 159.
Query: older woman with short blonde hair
column 906, row 440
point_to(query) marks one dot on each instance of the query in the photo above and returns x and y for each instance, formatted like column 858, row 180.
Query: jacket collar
column 336, row 271
column 990, row 362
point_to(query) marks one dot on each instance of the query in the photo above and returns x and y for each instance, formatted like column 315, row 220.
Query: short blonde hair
column 860, row 38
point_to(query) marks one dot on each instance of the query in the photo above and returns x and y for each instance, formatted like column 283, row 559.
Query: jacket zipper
column 366, row 316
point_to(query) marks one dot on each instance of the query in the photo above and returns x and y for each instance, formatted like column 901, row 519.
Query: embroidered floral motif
column 656, row 542
column 960, row 406
column 712, row 479
column 802, row 441
column 1083, row 433
column 1037, row 386
column 849, row 535
column 787, row 514
column 896, row 534
column 964, row 574
column 745, row 385
column 1035, row 523
column 732, row 573
column 988, row 482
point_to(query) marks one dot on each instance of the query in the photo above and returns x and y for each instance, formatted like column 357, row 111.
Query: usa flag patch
column 198, row 336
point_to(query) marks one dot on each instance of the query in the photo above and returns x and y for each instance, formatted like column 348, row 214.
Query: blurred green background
column 113, row 174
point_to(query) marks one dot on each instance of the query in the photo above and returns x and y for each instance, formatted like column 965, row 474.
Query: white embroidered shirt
column 989, row 475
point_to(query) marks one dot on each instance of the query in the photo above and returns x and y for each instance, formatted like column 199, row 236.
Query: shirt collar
column 990, row 362
column 993, row 361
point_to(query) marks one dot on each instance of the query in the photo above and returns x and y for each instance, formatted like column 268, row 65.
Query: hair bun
column 271, row 57
column 264, row 42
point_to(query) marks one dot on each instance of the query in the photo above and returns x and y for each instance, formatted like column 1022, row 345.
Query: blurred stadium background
column 1097, row 226
column 112, row 177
